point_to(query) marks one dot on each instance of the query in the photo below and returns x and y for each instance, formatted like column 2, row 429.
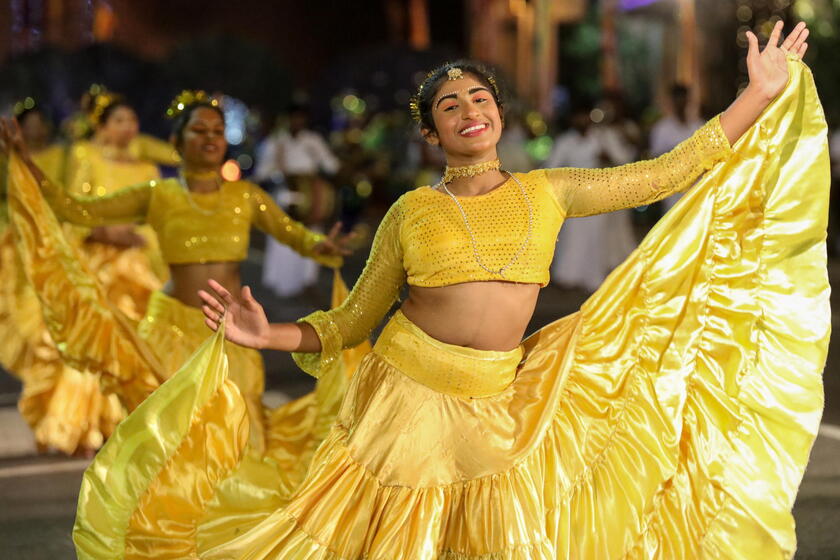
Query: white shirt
column 303, row 154
column 668, row 132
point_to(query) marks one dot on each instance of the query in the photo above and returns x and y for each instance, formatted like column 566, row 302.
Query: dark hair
column 679, row 90
column 435, row 79
column 111, row 107
column 180, row 122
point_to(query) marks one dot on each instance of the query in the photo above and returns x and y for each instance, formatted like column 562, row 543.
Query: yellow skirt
column 64, row 406
column 672, row 417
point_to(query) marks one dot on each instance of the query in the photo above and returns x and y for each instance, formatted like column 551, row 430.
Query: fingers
column 802, row 50
column 795, row 38
column 221, row 292
column 335, row 230
column 213, row 326
column 776, row 34
column 248, row 299
column 211, row 302
column 210, row 315
column 752, row 41
column 800, row 40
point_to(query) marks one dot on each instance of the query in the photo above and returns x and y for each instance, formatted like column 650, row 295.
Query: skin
column 484, row 315
column 202, row 149
column 36, row 131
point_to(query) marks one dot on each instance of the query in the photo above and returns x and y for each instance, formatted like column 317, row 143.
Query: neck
column 201, row 178
column 474, row 178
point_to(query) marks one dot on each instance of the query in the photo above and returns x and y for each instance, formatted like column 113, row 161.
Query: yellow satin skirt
column 64, row 406
column 671, row 417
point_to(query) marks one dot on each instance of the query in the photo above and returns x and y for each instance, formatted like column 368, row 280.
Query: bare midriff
column 480, row 315
column 187, row 279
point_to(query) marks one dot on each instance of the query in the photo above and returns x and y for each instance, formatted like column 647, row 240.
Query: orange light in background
column 231, row 171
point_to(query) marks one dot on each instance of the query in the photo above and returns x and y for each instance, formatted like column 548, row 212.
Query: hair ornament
column 23, row 105
column 454, row 74
column 100, row 102
column 189, row 97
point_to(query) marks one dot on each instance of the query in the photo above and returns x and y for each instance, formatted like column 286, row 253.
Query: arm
column 317, row 340
column 372, row 296
column 270, row 218
column 584, row 192
column 123, row 206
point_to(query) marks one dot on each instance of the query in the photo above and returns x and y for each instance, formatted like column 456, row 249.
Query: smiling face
column 202, row 144
column 468, row 123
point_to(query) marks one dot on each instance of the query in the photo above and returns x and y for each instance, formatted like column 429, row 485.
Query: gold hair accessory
column 455, row 73
column 469, row 170
column 189, row 97
column 101, row 102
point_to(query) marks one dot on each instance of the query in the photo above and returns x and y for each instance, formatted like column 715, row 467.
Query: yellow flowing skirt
column 671, row 417
column 64, row 406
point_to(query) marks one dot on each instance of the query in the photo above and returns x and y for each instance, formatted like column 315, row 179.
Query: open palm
column 767, row 68
column 245, row 320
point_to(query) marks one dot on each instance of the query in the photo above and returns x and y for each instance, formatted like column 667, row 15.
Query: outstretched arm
column 584, row 192
column 123, row 206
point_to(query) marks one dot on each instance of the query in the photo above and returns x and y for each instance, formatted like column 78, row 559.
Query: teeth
column 473, row 128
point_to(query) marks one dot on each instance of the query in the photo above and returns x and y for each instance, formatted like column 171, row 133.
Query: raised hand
column 245, row 320
column 767, row 69
column 335, row 244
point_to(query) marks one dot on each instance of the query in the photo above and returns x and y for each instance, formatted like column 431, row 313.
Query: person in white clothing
column 295, row 159
column 589, row 248
column 673, row 129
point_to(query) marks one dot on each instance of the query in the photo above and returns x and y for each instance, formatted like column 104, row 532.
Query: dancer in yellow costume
column 64, row 406
column 671, row 417
column 203, row 224
column 126, row 258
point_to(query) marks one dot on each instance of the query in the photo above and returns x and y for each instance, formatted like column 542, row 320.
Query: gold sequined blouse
column 192, row 227
column 423, row 240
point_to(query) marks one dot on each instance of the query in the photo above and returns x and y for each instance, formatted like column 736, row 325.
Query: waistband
column 455, row 370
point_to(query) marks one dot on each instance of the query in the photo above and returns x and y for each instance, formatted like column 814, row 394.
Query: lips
column 474, row 130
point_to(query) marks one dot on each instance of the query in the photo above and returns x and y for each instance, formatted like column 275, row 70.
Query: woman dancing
column 203, row 224
column 670, row 418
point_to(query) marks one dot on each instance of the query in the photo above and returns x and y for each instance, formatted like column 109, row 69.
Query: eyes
column 451, row 104
column 204, row 130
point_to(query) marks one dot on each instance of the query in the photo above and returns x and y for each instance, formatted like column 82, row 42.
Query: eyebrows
column 454, row 94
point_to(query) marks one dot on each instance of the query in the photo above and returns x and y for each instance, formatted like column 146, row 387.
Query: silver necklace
column 500, row 271
column 196, row 207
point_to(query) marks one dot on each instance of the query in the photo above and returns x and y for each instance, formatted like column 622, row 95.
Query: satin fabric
column 672, row 417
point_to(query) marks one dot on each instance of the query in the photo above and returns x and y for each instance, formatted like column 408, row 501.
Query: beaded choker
column 469, row 170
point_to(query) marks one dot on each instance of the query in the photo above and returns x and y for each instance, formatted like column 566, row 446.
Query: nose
column 469, row 110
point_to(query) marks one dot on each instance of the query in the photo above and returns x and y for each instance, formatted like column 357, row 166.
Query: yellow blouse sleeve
column 271, row 219
column 584, row 192
column 371, row 298
column 126, row 205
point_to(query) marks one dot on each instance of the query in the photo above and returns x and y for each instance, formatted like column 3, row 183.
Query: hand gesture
column 335, row 244
column 11, row 138
column 768, row 68
column 245, row 320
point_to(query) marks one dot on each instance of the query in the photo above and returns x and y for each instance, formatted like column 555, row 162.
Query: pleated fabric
column 671, row 417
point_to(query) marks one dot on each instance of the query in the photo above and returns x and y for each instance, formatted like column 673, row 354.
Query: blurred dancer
column 64, row 406
column 672, row 129
column 301, row 156
column 588, row 248
column 660, row 420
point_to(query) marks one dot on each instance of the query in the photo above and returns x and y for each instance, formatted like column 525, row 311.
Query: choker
column 469, row 170
column 199, row 175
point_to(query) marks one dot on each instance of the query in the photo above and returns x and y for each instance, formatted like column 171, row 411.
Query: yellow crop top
column 192, row 227
column 423, row 241
column 91, row 173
